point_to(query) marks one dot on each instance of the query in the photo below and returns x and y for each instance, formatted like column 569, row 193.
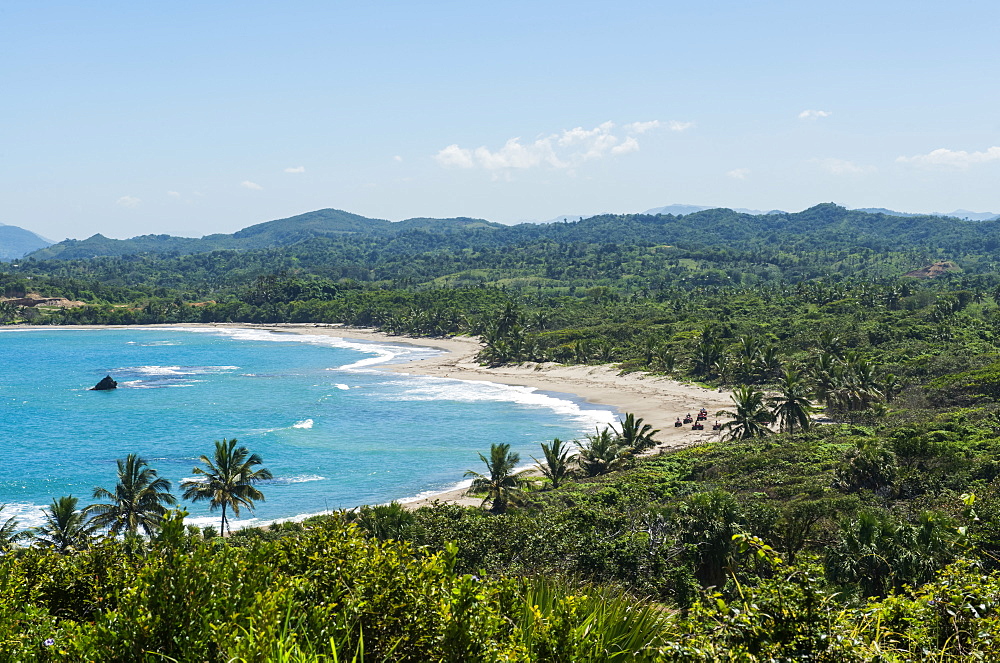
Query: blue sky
column 190, row 118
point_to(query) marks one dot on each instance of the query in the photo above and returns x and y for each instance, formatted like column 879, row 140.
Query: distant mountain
column 17, row 242
column 566, row 218
column 972, row 216
column 681, row 210
column 889, row 212
column 267, row 235
column 963, row 214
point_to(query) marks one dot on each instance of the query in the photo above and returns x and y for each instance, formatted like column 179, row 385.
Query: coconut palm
column 138, row 499
column 827, row 374
column 558, row 457
column 707, row 355
column 791, row 407
column 227, row 480
column 65, row 529
column 501, row 480
column 8, row 531
column 636, row 435
column 831, row 344
column 750, row 419
column 858, row 388
column 601, row 453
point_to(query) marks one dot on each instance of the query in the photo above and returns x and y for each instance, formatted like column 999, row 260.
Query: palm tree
column 557, row 461
column 827, row 374
column 831, row 344
column 707, row 355
column 227, row 480
column 8, row 531
column 502, row 479
column 750, row 418
column 138, row 500
column 635, row 434
column 601, row 453
column 65, row 528
column 791, row 407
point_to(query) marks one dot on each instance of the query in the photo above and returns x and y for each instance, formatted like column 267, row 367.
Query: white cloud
column 630, row 144
column 453, row 155
column 174, row 194
column 642, row 127
column 739, row 173
column 251, row 185
column 296, row 169
column 814, row 114
column 398, row 159
column 679, row 126
column 952, row 158
column 844, row 167
column 563, row 150
column 128, row 201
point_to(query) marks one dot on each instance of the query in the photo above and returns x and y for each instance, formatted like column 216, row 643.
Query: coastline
column 658, row 401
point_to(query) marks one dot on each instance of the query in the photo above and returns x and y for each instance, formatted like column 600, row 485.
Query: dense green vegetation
column 871, row 537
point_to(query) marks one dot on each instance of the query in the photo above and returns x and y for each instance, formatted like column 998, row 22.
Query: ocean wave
column 436, row 389
column 175, row 371
column 435, row 491
column 305, row 423
column 27, row 515
column 159, row 377
column 384, row 352
column 284, row 481
column 154, row 370
column 342, row 386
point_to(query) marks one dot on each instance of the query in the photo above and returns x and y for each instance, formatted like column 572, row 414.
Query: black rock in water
column 105, row 384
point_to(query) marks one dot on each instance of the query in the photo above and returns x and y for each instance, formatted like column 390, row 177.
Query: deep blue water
column 333, row 429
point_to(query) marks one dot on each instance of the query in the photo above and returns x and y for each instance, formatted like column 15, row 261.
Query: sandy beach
column 659, row 401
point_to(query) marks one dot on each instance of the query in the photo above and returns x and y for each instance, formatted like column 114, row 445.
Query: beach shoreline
column 657, row 400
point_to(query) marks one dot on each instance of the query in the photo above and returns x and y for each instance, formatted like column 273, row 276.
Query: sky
column 191, row 118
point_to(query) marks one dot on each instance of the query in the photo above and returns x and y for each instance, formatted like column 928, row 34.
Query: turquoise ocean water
column 334, row 430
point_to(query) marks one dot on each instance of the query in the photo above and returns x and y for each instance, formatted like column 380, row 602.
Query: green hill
column 271, row 234
column 16, row 242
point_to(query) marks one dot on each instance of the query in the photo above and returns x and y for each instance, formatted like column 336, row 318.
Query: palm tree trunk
column 223, row 520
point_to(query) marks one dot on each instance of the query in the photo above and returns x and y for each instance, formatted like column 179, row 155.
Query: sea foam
column 450, row 389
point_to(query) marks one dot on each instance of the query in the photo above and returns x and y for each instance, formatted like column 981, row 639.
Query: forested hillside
column 847, row 514
column 17, row 242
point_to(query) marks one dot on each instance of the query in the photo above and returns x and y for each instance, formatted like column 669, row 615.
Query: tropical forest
column 847, row 510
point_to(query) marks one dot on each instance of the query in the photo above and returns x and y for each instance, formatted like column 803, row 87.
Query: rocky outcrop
column 32, row 300
column 933, row 271
column 105, row 384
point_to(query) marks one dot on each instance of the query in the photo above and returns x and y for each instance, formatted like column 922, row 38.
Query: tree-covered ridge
column 270, row 234
column 826, row 225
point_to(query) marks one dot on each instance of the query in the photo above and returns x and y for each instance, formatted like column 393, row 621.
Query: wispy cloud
column 814, row 114
column 128, row 201
column 844, row 167
column 566, row 149
column 296, row 169
column 952, row 158
column 251, row 185
column 398, row 159
column 674, row 125
column 174, row 194
column 739, row 173
column 642, row 127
